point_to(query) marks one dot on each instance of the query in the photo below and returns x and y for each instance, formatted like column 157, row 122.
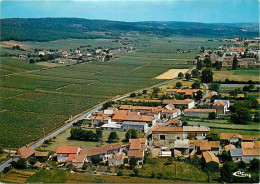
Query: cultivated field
column 16, row 176
column 42, row 97
column 172, row 73
column 237, row 75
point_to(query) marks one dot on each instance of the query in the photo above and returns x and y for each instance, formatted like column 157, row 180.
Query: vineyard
column 35, row 97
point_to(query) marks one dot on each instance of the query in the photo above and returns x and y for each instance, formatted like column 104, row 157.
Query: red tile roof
column 70, row 157
column 167, row 129
column 175, row 121
column 135, row 153
column 210, row 157
column 67, row 150
column 24, row 152
column 227, row 136
column 200, row 110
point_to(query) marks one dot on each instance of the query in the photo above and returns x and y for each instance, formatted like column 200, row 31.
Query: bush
column 20, row 164
column 131, row 133
column 119, row 173
column 212, row 115
column 96, row 160
column 178, row 84
column 6, row 170
column 136, row 171
column 241, row 164
column 132, row 95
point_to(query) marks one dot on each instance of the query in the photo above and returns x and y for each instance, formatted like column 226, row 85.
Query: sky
column 206, row 11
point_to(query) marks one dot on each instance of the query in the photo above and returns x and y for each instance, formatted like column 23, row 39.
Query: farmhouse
column 180, row 104
column 23, row 153
column 230, row 138
column 77, row 156
column 221, row 107
column 198, row 112
column 222, row 100
column 173, row 133
column 64, row 152
column 205, row 145
column 175, row 122
column 137, row 149
column 185, row 92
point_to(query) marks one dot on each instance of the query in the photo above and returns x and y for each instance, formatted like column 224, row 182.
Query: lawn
column 61, row 139
column 178, row 170
column 55, row 176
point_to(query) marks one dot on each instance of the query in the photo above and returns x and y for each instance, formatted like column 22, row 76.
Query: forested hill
column 48, row 29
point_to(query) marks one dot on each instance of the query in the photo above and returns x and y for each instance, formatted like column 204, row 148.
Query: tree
column 113, row 137
column 107, row 104
column 213, row 137
column 185, row 123
column 207, row 76
column 6, row 169
column 212, row 115
column 218, row 65
column 207, row 62
column 241, row 164
column 214, row 87
column 136, row 171
column 131, row 134
column 195, row 73
column 132, row 162
column 144, row 91
column 225, row 156
column 119, row 173
column 199, row 65
column 227, row 170
column 235, row 63
column 32, row 160
column 196, row 85
column 178, row 84
column 180, row 75
column 20, row 164
column 132, row 95
column 254, row 165
column 187, row 76
column 99, row 134
column 96, row 160
column 31, row 61
column 234, row 92
column 242, row 115
column 199, row 95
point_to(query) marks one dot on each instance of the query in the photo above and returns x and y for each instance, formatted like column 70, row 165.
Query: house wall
column 247, row 159
column 168, row 135
column 114, row 162
column 236, row 158
column 197, row 114
column 62, row 157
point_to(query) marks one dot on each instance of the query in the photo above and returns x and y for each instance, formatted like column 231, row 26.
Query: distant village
column 82, row 54
column 246, row 57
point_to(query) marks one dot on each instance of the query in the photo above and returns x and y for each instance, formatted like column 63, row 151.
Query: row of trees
column 85, row 135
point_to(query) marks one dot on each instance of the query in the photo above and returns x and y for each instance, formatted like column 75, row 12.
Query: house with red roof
column 137, row 149
column 67, row 152
column 23, row 153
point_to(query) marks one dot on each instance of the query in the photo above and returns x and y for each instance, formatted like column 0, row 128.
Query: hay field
column 172, row 73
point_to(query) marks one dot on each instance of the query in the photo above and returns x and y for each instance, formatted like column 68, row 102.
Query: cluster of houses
column 226, row 54
column 112, row 154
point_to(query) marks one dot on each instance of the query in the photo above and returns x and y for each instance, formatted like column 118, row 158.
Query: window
column 162, row 137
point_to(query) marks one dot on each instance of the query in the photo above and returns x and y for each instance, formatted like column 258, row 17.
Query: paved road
column 38, row 143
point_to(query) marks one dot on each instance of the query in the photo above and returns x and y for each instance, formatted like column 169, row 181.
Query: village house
column 221, row 107
column 77, row 156
column 137, row 149
column 210, row 95
column 23, row 153
column 180, row 104
column 202, row 113
column 205, row 145
column 173, row 133
column 223, row 100
column 230, row 138
column 211, row 161
column 64, row 152
column 185, row 92
column 236, row 154
column 116, row 160
column 175, row 122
